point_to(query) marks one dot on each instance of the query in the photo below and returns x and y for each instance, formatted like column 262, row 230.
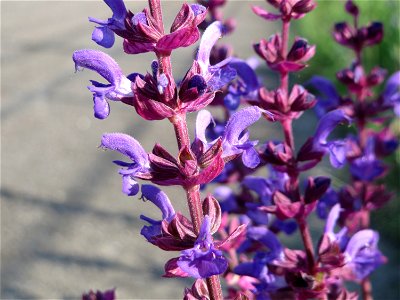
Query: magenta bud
column 351, row 8
column 304, row 6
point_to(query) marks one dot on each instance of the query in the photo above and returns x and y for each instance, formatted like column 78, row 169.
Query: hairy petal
column 208, row 40
column 126, row 145
column 160, row 199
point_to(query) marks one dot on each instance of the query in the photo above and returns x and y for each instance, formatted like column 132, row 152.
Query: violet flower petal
column 367, row 167
column 268, row 238
column 362, row 254
column 336, row 148
column 119, row 87
column 203, row 120
column 103, row 36
column 160, row 199
column 127, row 146
column 391, row 94
column 329, row 98
column 208, row 40
column 203, row 260
column 99, row 62
column 233, row 143
column 131, row 148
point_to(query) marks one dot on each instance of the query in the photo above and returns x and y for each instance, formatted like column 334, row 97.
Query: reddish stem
column 181, row 130
column 194, row 201
column 284, row 49
column 287, row 131
column 308, row 244
column 289, row 139
column 195, row 209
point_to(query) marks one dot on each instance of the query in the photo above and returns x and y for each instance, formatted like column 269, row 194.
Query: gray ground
column 65, row 225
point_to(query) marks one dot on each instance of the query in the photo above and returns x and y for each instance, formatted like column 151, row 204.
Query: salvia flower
column 145, row 34
column 131, row 148
column 119, row 87
column 104, row 34
column 367, row 167
column 336, row 149
column 328, row 97
column 217, row 75
column 203, row 260
column 142, row 32
column 235, row 139
column 362, row 254
column 340, row 237
column 391, row 94
column 161, row 200
column 244, row 87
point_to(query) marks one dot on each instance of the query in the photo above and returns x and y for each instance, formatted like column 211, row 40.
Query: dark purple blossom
column 119, row 86
column 329, row 199
column 367, row 167
column 328, row 99
column 131, row 148
column 258, row 267
column 245, row 87
column 161, row 200
column 203, row 260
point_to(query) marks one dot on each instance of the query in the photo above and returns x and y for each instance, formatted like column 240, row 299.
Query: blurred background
column 65, row 225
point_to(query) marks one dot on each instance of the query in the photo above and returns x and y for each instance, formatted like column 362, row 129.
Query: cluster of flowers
column 234, row 232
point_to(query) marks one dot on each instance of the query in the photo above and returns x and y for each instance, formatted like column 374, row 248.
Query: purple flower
column 203, row 260
column 131, row 148
column 367, row 167
column 245, row 87
column 217, row 75
column 120, row 86
column 329, row 199
column 235, row 139
column 362, row 254
column 339, row 237
column 104, row 35
column 258, row 267
column 160, row 199
column 329, row 97
column 391, row 94
column 336, row 149
column 268, row 239
column 266, row 187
